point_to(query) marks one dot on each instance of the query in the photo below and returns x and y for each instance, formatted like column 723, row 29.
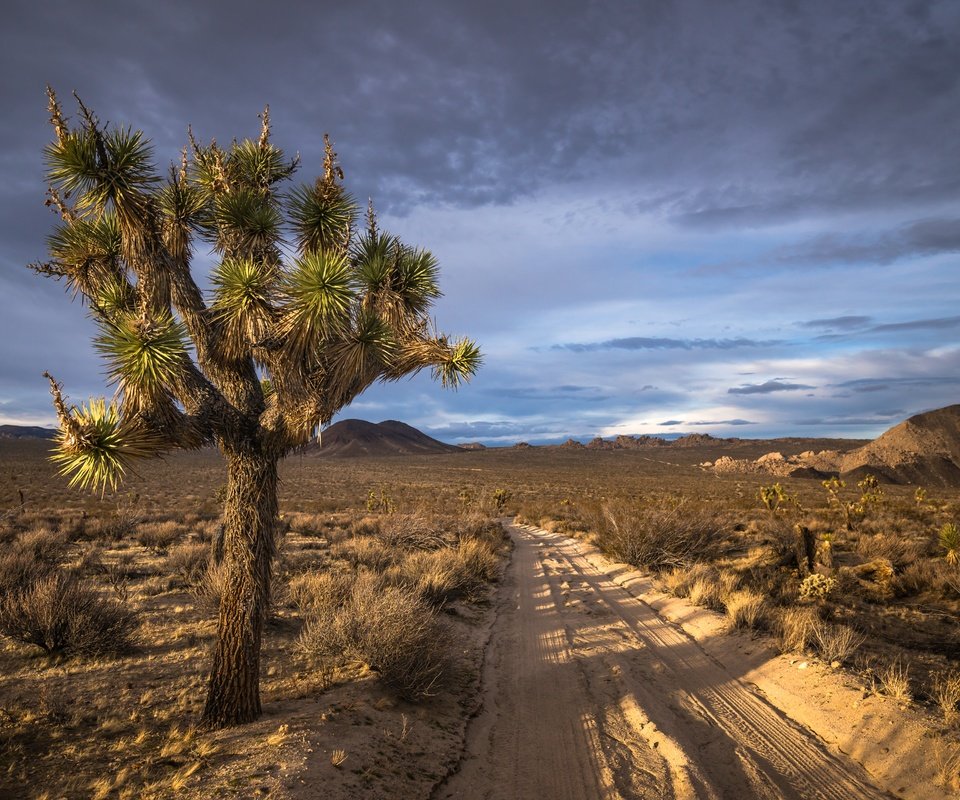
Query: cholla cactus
column 817, row 587
column 276, row 348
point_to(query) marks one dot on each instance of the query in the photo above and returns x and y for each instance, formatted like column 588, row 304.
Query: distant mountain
column 356, row 437
column 923, row 450
column 26, row 432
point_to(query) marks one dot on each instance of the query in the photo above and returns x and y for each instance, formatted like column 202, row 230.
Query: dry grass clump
column 794, row 628
column 704, row 588
column 746, row 609
column 946, row 693
column 388, row 630
column 894, row 680
column 835, row 643
column 657, row 537
column 60, row 615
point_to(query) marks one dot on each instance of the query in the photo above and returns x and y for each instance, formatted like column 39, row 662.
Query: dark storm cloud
column 775, row 385
column 659, row 343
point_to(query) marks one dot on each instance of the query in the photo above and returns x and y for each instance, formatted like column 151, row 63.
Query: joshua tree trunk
column 249, row 524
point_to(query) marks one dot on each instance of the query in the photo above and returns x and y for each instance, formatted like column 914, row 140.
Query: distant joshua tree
column 280, row 345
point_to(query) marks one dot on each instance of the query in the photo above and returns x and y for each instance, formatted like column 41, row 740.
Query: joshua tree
column 305, row 313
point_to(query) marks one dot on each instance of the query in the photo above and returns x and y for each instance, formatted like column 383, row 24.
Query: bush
column 320, row 592
column 189, row 562
column 412, row 532
column 365, row 551
column 60, row 615
column 159, row 536
column 388, row 630
column 656, row 537
column 835, row 642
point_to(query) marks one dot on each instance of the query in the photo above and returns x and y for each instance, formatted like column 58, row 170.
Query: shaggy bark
column 250, row 516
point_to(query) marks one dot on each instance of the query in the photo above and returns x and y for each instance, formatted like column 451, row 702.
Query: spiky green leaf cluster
column 144, row 355
column 322, row 216
column 461, row 363
column 242, row 297
column 102, row 168
column 97, row 452
column 318, row 296
column 89, row 251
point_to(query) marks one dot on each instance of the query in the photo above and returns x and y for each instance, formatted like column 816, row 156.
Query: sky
column 655, row 216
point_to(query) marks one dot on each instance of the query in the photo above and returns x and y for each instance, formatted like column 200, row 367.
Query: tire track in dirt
column 589, row 693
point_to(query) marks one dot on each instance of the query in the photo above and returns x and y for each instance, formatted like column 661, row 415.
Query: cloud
column 775, row 385
column 881, row 384
column 659, row 343
column 844, row 323
column 717, row 422
column 940, row 324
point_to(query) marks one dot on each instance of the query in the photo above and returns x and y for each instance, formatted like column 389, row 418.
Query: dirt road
column 589, row 694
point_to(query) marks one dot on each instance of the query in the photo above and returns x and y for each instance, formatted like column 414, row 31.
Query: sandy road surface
column 589, row 694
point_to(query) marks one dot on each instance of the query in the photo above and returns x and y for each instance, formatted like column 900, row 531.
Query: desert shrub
column 365, row 551
column 436, row 577
column 159, row 536
column 746, row 609
column 60, row 615
column 920, row 577
column 657, row 537
column 794, row 629
column 43, row 544
column 411, row 532
column 20, row 569
column 817, row 587
column 479, row 561
column 385, row 628
column 188, row 561
column 835, row 642
column 899, row 551
column 367, row 526
column 211, row 586
column 320, row 592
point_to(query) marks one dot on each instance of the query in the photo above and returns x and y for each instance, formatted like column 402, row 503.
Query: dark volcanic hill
column 356, row 437
column 923, row 450
column 26, row 432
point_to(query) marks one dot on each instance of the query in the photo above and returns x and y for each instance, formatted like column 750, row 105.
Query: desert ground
column 530, row 622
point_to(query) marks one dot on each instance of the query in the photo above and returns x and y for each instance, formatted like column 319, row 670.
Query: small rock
column 834, row 664
column 803, row 665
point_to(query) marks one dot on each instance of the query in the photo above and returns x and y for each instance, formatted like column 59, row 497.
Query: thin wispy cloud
column 659, row 343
